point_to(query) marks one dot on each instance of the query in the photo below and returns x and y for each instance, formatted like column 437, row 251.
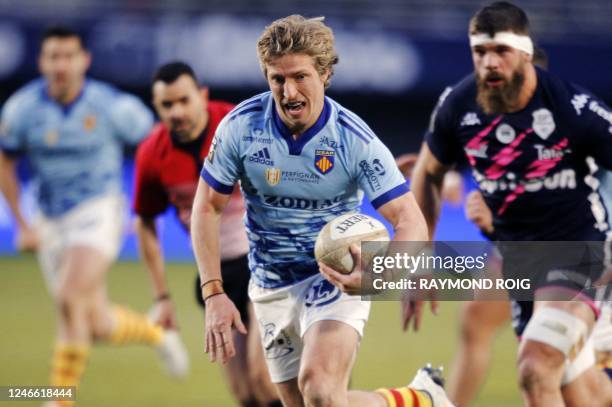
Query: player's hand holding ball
column 338, row 250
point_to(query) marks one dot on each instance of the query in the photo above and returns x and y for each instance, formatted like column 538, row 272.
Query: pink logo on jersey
column 537, row 169
column 477, row 146
column 505, row 157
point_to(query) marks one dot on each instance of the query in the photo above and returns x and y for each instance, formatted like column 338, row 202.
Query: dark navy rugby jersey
column 534, row 167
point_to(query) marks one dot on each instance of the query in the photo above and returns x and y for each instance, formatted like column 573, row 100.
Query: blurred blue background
column 395, row 59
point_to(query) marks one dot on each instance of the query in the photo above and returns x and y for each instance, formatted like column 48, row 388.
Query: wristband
column 212, row 295
column 162, row 297
column 212, row 287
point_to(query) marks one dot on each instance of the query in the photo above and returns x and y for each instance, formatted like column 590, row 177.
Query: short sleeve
column 594, row 119
column 131, row 119
column 12, row 129
column 150, row 198
column 440, row 137
column 374, row 166
column 222, row 165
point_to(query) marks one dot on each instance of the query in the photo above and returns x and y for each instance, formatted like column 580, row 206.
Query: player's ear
column 87, row 58
column 204, row 93
column 325, row 75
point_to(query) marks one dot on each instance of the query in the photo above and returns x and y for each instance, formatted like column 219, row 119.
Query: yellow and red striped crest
column 273, row 176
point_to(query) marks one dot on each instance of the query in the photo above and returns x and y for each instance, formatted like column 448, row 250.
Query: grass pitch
column 130, row 376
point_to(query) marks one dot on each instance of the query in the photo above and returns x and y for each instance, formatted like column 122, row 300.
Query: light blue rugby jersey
column 76, row 151
column 293, row 188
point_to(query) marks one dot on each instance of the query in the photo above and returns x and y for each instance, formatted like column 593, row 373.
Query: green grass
column 130, row 376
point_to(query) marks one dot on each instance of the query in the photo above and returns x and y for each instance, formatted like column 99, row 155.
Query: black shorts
column 567, row 268
column 236, row 275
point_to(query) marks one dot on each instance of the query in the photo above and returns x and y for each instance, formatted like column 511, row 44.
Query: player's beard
column 185, row 134
column 501, row 99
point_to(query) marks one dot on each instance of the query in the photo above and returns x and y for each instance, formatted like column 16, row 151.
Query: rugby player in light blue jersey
column 73, row 130
column 301, row 160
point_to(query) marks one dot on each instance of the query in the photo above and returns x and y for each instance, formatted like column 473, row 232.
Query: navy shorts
column 566, row 270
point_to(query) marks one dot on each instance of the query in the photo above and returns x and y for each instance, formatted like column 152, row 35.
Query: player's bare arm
column 221, row 314
column 406, row 217
column 427, row 184
column 477, row 211
column 151, row 253
column 26, row 239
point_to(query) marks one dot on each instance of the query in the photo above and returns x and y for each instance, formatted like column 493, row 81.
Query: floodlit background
column 396, row 57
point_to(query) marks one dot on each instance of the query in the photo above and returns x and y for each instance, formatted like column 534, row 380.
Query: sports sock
column 406, row 397
column 67, row 367
column 132, row 327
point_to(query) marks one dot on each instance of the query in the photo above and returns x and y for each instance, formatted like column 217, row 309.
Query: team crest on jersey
column 324, row 161
column 505, row 134
column 273, row 176
column 51, row 138
column 470, row 119
column 543, row 123
column 89, row 123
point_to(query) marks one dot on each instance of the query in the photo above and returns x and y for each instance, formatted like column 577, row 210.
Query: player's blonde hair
column 298, row 35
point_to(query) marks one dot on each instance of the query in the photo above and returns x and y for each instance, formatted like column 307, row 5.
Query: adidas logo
column 262, row 157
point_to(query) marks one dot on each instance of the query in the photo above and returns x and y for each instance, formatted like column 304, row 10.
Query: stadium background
column 395, row 58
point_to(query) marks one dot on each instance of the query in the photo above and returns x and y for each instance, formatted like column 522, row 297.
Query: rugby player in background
column 480, row 321
column 168, row 165
column 73, row 129
column 525, row 128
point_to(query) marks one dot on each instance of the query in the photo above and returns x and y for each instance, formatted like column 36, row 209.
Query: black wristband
column 162, row 297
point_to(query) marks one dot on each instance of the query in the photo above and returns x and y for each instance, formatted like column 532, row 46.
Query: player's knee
column 551, row 336
column 257, row 376
column 475, row 329
column 101, row 322
column 320, row 390
column 531, row 375
column 540, row 366
column 240, row 388
column 70, row 301
column 320, row 395
column 471, row 336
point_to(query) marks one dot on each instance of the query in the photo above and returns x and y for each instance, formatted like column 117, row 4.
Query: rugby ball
column 334, row 240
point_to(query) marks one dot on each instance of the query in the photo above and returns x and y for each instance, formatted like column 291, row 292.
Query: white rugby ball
column 334, row 240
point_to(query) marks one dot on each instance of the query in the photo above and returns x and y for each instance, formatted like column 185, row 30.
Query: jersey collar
column 296, row 146
column 66, row 109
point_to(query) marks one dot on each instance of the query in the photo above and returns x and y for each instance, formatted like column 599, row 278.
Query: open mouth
column 295, row 107
column 494, row 82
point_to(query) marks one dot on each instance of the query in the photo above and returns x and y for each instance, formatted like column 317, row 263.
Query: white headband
column 520, row 42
